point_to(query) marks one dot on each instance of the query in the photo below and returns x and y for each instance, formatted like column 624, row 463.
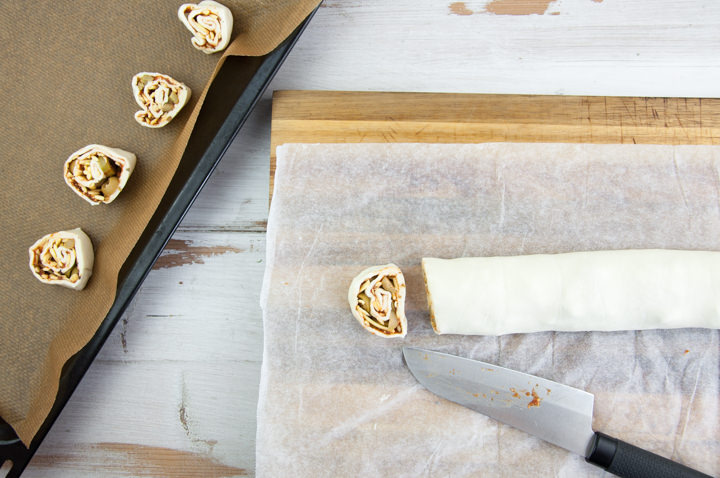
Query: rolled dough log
column 578, row 291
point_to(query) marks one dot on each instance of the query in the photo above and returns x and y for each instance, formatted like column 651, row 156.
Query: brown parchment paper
column 65, row 83
column 338, row 401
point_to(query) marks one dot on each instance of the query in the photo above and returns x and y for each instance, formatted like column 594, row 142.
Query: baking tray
column 236, row 89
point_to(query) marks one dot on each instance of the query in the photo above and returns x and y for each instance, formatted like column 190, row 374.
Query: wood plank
column 379, row 117
column 127, row 459
column 581, row 47
column 177, row 415
column 190, row 304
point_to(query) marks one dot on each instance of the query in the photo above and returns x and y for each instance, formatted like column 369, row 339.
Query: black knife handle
column 628, row 461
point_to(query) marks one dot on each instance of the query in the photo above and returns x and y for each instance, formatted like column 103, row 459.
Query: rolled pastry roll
column 63, row 258
column 377, row 300
column 210, row 23
column 160, row 97
column 98, row 173
column 579, row 291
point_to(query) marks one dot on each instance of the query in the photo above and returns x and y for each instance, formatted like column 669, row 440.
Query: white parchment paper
column 338, row 401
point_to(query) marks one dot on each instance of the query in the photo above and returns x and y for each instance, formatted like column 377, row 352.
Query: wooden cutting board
column 380, row 117
column 332, row 117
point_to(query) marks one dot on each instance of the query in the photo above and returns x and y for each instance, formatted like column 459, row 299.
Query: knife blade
column 557, row 413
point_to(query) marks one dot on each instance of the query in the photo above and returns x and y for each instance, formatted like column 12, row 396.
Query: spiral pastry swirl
column 210, row 23
column 377, row 300
column 98, row 173
column 63, row 258
column 160, row 96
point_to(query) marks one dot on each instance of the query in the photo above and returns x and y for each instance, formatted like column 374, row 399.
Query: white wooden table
column 174, row 390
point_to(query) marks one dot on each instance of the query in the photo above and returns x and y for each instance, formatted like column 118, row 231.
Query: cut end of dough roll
column 431, row 308
column 377, row 300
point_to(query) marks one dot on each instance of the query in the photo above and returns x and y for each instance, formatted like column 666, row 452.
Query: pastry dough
column 63, row 258
column 377, row 300
column 161, row 98
column 210, row 23
column 579, row 291
column 98, row 173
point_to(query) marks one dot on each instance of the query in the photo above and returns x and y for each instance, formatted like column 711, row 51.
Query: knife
column 557, row 413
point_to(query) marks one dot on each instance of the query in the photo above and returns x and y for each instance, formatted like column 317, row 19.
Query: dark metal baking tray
column 236, row 89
